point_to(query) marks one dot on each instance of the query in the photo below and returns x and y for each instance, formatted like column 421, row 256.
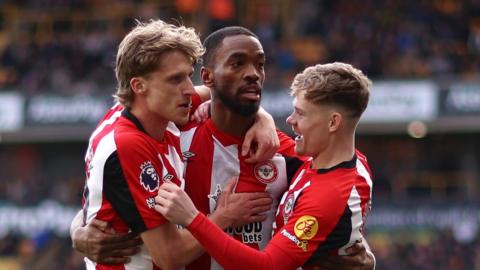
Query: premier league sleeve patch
column 148, row 177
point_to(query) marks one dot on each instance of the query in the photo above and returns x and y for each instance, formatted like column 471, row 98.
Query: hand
column 237, row 209
column 261, row 140
column 357, row 258
column 175, row 205
column 98, row 241
column 202, row 113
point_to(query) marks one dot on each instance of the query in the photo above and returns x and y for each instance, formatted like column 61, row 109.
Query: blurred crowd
column 32, row 173
column 68, row 46
column 428, row 250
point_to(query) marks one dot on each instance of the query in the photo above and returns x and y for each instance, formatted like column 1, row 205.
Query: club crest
column 266, row 172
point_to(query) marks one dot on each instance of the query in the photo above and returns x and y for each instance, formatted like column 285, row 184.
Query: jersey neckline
column 349, row 164
column 224, row 138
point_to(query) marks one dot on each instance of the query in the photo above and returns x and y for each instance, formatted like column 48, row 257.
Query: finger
column 229, row 188
column 114, row 260
column 161, row 199
column 127, row 241
column 261, row 202
column 120, row 251
column 99, row 224
column 203, row 114
column 161, row 209
column 257, row 218
column 344, row 261
column 259, row 154
column 355, row 249
column 113, row 239
column 254, row 196
column 326, row 264
column 261, row 209
column 169, row 187
column 247, row 143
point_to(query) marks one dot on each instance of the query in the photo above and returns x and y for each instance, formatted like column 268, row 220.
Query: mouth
column 251, row 92
column 186, row 105
column 298, row 137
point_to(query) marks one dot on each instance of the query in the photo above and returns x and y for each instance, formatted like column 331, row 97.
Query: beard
column 237, row 106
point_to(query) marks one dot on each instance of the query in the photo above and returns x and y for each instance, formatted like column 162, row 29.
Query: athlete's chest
column 302, row 181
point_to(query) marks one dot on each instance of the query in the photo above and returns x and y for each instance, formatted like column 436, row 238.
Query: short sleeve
column 132, row 176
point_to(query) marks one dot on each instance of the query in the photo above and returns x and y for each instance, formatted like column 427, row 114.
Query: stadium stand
column 56, row 57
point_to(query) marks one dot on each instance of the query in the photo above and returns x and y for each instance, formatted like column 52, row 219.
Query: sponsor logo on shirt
column 150, row 202
column 187, row 155
column 250, row 233
column 266, row 172
column 148, row 176
column 306, row 227
column 288, row 207
column 301, row 244
column 167, row 177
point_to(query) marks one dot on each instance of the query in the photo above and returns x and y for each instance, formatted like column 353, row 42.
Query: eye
column 298, row 112
column 236, row 64
column 261, row 65
column 176, row 79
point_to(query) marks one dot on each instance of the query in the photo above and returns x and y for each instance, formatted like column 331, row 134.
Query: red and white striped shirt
column 212, row 158
column 323, row 212
column 124, row 169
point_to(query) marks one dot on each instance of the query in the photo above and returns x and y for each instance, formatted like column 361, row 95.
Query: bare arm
column 99, row 242
column 204, row 92
column 261, row 140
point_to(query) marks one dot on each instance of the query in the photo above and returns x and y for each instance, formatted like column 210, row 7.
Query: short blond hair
column 141, row 50
column 334, row 84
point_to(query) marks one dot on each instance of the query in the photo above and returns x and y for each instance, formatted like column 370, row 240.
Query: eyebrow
column 239, row 55
column 179, row 73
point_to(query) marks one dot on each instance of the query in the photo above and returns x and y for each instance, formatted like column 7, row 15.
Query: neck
column 339, row 149
column 153, row 125
column 229, row 122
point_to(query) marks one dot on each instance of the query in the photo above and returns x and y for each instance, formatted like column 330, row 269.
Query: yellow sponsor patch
column 306, row 227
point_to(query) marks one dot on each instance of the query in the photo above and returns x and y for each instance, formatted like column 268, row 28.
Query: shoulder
column 131, row 140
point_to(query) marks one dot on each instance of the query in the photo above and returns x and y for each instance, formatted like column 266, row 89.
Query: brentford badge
column 288, row 207
column 266, row 172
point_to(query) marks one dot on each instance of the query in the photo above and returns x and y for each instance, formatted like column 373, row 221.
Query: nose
column 290, row 120
column 252, row 74
column 189, row 88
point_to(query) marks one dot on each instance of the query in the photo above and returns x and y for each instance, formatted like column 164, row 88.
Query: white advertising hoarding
column 402, row 102
column 11, row 111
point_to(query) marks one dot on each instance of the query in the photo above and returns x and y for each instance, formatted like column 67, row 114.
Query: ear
column 138, row 85
column 336, row 120
column 207, row 77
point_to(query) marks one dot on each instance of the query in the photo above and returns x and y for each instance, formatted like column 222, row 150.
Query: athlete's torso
column 212, row 159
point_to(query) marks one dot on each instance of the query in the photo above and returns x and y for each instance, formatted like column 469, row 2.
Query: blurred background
column 421, row 131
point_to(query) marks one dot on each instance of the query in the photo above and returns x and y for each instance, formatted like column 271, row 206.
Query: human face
column 311, row 124
column 169, row 88
column 238, row 74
